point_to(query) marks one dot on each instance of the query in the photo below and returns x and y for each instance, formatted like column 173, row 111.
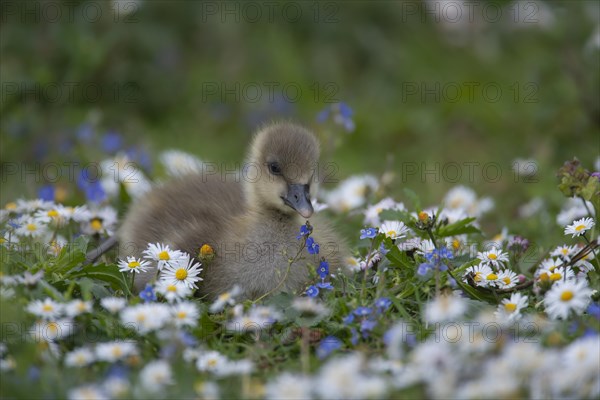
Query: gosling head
column 281, row 169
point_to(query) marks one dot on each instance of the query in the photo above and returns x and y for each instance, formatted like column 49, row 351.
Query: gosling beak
column 298, row 198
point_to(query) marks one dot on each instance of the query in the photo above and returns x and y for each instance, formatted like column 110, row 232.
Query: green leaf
column 458, row 228
column 105, row 273
column 412, row 196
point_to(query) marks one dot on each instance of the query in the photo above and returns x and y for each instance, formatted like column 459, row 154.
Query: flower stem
column 304, row 350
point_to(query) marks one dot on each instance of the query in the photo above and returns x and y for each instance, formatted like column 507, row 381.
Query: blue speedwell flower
column 368, row 233
column 312, row 291
column 383, row 303
column 363, row 311
column 325, row 285
column 312, row 246
column 327, row 346
column 305, row 230
column 323, row 269
column 435, row 260
column 148, row 294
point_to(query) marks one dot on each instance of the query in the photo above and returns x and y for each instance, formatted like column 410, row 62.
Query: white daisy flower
column 564, row 251
column 179, row 163
column 494, row 256
column 133, row 265
column 101, row 221
column 239, row 367
column 212, row 361
column 156, row 375
column 372, row 212
column 31, row 227
column 351, row 193
column 115, row 351
column 145, row 318
column 479, row 273
column 87, row 392
column 113, row 304
column 77, row 307
column 509, row 310
column 172, row 292
column 31, row 206
column 162, row 255
column 566, row 296
column 185, row 272
column 579, row 227
column 352, row 264
column 227, row 298
column 558, row 274
column 507, row 279
column 185, row 314
column 117, row 387
column 47, row 309
column 572, row 210
column 447, row 307
column 52, row 330
column 79, row 357
column 393, row 229
column 309, row 306
column 256, row 320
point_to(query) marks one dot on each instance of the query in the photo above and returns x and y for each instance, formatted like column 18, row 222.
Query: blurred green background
column 500, row 82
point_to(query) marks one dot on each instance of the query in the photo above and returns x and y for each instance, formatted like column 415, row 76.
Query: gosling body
column 252, row 224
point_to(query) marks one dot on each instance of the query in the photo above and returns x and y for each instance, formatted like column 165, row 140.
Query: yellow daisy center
column 555, row 276
column 133, row 264
column 455, row 244
column 181, row 314
column 492, row 277
column 477, row 277
column 212, row 362
column 2, row 240
column 96, row 224
column 564, row 251
column 579, row 228
column 47, row 308
column 566, row 295
column 53, row 327
column 164, row 256
column 181, row 274
column 544, row 277
column 31, row 227
column 506, row 280
column 492, row 256
column 224, row 296
column 81, row 307
column 423, row 216
column 141, row 318
column 391, row 233
column 53, row 213
column 10, row 206
column 510, row 307
column 117, row 352
column 171, row 288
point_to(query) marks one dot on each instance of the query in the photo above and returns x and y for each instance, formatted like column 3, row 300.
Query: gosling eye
column 274, row 168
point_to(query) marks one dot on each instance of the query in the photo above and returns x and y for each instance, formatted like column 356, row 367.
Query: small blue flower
column 312, row 246
column 325, row 285
column 383, row 303
column 91, row 187
column 312, row 291
column 117, row 371
column 304, row 231
column 348, row 319
column 33, row 373
column 363, row 311
column 85, row 133
column 368, row 233
column 187, row 339
column 327, row 346
column 594, row 310
column 112, row 142
column 354, row 338
column 323, row 269
column 424, row 269
column 46, row 192
column 382, row 249
column 148, row 294
column 367, row 326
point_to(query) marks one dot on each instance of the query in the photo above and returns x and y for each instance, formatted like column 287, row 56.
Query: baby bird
column 251, row 220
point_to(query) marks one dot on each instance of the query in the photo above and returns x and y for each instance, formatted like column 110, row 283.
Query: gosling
column 251, row 223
